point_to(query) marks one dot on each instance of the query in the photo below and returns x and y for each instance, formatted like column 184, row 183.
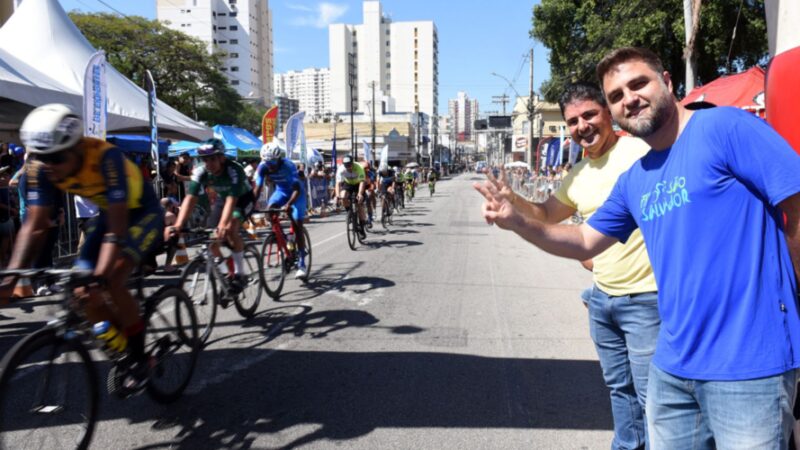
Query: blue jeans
column 695, row 414
column 624, row 330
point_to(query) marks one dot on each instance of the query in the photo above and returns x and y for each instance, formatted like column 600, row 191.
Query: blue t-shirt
column 285, row 178
column 707, row 208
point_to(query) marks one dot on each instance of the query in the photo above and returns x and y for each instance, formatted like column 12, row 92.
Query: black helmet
column 210, row 147
column 347, row 160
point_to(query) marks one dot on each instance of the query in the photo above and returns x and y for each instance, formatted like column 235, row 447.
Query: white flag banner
column 367, row 152
column 95, row 97
column 384, row 157
column 292, row 130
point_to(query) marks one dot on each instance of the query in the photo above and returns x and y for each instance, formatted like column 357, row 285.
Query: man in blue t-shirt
column 709, row 199
column 289, row 193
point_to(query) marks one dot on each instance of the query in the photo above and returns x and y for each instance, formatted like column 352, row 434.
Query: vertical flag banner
column 95, row 97
column 385, row 156
column 333, row 150
column 367, row 152
column 150, row 86
column 269, row 123
column 574, row 151
column 291, row 131
column 303, row 149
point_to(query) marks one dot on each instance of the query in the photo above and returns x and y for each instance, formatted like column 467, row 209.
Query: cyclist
column 125, row 231
column 432, row 176
column 411, row 182
column 350, row 178
column 233, row 204
column 289, row 193
column 387, row 184
column 399, row 186
column 369, row 182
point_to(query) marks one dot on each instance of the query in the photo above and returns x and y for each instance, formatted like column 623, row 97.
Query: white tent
column 43, row 57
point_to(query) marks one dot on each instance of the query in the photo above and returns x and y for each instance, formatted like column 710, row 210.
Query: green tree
column 579, row 33
column 186, row 75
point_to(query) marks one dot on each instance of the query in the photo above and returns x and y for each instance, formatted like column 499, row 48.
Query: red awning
column 745, row 90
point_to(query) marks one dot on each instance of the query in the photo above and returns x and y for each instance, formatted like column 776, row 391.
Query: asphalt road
column 441, row 333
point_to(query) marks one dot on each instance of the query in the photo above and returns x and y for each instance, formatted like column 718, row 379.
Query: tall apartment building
column 401, row 60
column 240, row 30
column 286, row 108
column 463, row 113
column 311, row 87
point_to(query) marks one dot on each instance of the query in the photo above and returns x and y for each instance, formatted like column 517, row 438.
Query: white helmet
column 273, row 150
column 50, row 129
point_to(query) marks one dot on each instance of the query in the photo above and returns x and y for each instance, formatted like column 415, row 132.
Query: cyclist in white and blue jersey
column 289, row 193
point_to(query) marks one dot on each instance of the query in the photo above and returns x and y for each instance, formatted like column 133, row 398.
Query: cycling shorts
column 145, row 235
column 280, row 198
column 244, row 206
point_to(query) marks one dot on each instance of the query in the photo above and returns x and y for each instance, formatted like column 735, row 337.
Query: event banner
column 367, row 152
column 95, row 97
column 292, row 130
column 150, row 86
column 384, row 156
column 268, row 124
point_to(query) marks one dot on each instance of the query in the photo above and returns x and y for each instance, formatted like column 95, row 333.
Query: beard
column 645, row 125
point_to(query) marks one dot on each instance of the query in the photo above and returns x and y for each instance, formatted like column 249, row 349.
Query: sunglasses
column 52, row 158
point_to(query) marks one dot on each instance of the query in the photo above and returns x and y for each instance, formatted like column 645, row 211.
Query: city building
column 397, row 62
column 463, row 114
column 311, row 87
column 239, row 30
column 286, row 107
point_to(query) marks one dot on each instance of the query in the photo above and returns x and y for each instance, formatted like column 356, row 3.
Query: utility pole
column 418, row 134
column 352, row 82
column 503, row 99
column 529, row 153
column 435, row 139
column 373, row 123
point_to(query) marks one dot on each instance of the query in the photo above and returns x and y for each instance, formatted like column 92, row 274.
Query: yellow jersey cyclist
column 127, row 229
column 351, row 179
column 233, row 204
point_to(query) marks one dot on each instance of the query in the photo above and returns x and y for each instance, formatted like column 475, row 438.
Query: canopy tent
column 239, row 143
column 43, row 57
column 745, row 90
column 137, row 144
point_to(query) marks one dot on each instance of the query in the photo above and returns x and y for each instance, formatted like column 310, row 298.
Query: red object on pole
column 783, row 96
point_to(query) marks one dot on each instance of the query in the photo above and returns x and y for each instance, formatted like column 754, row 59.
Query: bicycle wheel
column 171, row 340
column 352, row 230
column 201, row 287
column 247, row 301
column 309, row 254
column 272, row 258
column 48, row 393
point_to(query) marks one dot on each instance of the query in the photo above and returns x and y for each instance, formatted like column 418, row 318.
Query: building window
column 233, row 14
column 388, row 54
column 234, row 28
column 220, row 14
column 223, row 69
column 235, row 82
column 388, row 65
column 222, row 28
column 234, row 41
column 222, row 41
column 231, row 2
column 387, row 32
column 234, row 55
column 234, row 68
column 387, row 43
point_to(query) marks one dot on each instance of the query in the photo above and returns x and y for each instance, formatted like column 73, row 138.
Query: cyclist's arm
column 112, row 169
column 187, row 205
column 260, row 179
column 31, row 237
column 227, row 212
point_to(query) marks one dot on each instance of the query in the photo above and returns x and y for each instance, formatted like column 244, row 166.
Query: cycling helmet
column 347, row 160
column 210, row 147
column 272, row 151
column 50, row 129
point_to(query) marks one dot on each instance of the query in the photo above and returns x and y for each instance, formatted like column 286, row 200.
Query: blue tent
column 136, row 144
column 239, row 143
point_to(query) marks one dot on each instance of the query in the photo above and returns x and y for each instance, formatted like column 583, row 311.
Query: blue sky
column 476, row 39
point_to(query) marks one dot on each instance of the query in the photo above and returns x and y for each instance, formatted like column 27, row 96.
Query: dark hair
column 626, row 54
column 581, row 90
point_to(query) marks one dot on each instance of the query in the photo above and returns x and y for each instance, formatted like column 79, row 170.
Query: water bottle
column 290, row 242
column 114, row 341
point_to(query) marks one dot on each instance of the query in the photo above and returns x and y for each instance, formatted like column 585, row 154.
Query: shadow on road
column 302, row 398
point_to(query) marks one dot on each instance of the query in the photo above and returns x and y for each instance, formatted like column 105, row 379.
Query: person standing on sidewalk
column 717, row 200
column 623, row 309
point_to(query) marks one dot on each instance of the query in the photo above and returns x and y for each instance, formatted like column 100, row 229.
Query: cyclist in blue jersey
column 289, row 193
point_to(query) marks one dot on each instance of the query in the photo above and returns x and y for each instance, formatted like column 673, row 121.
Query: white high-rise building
column 241, row 30
column 463, row 113
column 401, row 60
column 311, row 87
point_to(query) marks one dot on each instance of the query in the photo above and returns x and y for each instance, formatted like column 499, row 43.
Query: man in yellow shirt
column 623, row 311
